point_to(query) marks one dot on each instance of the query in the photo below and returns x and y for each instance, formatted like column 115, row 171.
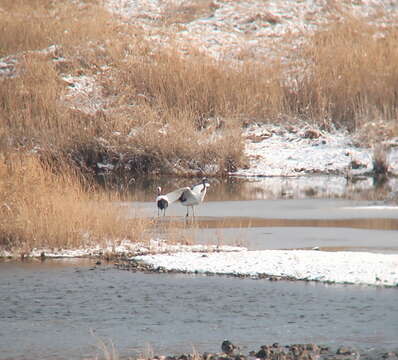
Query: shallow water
column 281, row 224
column 61, row 310
column 328, row 212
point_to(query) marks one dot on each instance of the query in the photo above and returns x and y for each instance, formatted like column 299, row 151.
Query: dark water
column 270, row 188
column 60, row 310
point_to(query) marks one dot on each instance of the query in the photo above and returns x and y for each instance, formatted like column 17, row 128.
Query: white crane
column 187, row 196
column 194, row 195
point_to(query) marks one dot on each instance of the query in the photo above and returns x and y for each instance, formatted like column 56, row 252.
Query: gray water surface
column 60, row 310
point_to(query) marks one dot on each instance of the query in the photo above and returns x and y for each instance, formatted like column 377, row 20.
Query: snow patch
column 124, row 247
column 278, row 151
column 335, row 267
column 255, row 29
column 84, row 94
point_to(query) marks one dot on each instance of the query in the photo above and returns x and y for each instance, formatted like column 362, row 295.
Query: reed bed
column 350, row 77
column 43, row 209
column 343, row 76
column 187, row 11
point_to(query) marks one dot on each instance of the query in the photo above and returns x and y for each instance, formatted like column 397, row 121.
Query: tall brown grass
column 28, row 103
column 40, row 208
column 201, row 88
column 344, row 76
column 32, row 114
column 350, row 75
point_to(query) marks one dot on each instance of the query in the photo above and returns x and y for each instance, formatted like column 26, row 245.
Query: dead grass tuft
column 266, row 17
column 188, row 11
column 28, row 102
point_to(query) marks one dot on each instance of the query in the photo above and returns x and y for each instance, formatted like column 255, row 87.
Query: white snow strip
column 124, row 247
column 336, row 267
column 372, row 207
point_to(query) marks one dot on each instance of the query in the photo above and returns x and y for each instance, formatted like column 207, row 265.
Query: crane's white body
column 194, row 195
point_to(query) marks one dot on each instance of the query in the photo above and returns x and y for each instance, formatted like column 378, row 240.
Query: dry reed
column 40, row 208
column 202, row 88
column 350, row 77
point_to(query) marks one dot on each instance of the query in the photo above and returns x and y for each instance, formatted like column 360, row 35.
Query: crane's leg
column 193, row 211
column 187, row 212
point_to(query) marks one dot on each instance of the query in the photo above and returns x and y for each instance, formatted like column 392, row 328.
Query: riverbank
column 329, row 241
column 277, row 351
column 339, row 267
column 356, row 268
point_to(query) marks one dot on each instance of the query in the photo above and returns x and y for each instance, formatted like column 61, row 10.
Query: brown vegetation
column 350, row 77
column 188, row 11
column 169, row 113
column 33, row 113
column 36, row 24
column 42, row 209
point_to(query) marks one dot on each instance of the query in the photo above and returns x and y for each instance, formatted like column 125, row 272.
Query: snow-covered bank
column 243, row 29
column 335, row 267
column 121, row 248
column 332, row 267
column 291, row 151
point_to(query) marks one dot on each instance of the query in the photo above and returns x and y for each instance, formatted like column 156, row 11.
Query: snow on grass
column 335, row 267
column 238, row 29
column 8, row 64
column 278, row 151
column 84, row 94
